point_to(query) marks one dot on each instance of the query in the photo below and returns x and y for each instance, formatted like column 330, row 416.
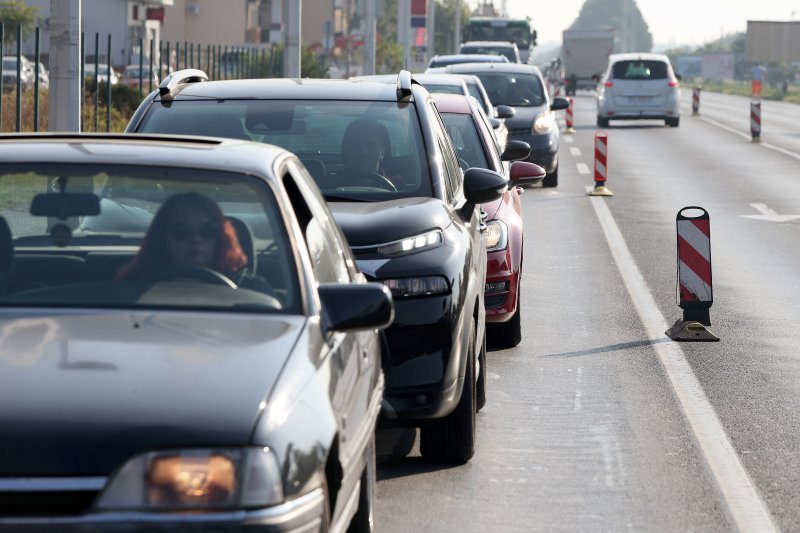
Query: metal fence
column 112, row 94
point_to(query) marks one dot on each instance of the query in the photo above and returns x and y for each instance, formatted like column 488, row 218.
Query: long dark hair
column 228, row 254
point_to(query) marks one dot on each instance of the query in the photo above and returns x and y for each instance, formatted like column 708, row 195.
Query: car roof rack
column 189, row 75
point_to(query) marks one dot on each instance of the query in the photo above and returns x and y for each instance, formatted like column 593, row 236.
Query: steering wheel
column 375, row 180
column 207, row 275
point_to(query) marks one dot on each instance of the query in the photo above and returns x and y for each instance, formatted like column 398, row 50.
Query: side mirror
column 595, row 78
column 504, row 111
column 679, row 77
column 495, row 122
column 525, row 173
column 516, row 150
column 356, row 306
column 559, row 102
column 533, row 37
column 482, row 185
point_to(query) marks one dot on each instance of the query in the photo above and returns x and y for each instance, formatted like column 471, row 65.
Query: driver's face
column 191, row 237
column 366, row 153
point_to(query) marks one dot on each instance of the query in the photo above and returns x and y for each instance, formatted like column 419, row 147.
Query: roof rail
column 404, row 81
column 189, row 75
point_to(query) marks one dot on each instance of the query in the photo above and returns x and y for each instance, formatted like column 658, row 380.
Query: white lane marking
column 583, row 168
column 574, row 150
column 578, row 391
column 568, row 139
column 769, row 214
column 784, row 151
column 745, row 506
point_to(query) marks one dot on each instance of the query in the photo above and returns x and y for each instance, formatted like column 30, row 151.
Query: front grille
column 46, row 503
column 519, row 131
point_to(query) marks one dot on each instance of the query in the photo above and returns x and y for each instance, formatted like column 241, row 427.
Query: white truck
column 585, row 54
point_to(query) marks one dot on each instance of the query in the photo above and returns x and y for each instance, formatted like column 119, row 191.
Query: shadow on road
column 611, row 348
column 398, row 456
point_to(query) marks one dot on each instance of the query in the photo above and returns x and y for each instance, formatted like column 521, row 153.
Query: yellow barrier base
column 690, row 330
column 756, row 140
column 601, row 190
column 570, row 130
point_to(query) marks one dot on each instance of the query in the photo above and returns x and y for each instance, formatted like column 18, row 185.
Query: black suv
column 384, row 162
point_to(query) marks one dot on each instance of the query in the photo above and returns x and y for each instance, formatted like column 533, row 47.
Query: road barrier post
column 755, row 121
column 695, row 293
column 696, row 101
column 570, row 122
column 600, row 165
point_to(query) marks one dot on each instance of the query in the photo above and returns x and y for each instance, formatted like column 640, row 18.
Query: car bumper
column 500, row 295
column 303, row 514
column 544, row 148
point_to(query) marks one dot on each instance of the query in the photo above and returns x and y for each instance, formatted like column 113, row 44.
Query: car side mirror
column 505, row 111
column 516, row 150
column 495, row 122
column 525, row 173
column 679, row 77
column 559, row 102
column 483, row 185
column 356, row 306
column 595, row 78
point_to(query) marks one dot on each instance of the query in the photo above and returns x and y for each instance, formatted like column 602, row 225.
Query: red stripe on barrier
column 704, row 225
column 694, row 261
column 687, row 295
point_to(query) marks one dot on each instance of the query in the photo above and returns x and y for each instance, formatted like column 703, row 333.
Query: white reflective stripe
column 601, row 146
column 689, row 279
column 599, row 168
column 696, row 238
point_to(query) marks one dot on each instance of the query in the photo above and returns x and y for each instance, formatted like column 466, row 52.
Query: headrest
column 6, row 246
column 246, row 241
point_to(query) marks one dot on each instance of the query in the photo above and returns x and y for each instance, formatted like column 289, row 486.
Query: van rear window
column 640, row 70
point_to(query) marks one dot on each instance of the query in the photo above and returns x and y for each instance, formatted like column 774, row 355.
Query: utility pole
column 65, row 65
column 404, row 28
column 371, row 21
column 291, row 52
column 430, row 31
column 457, row 44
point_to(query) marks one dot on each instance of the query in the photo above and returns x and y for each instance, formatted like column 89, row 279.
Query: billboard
column 772, row 41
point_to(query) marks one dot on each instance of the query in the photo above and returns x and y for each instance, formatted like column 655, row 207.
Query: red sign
column 419, row 8
column 155, row 13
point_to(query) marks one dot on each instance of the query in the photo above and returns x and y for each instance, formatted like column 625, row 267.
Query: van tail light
column 673, row 83
column 608, row 84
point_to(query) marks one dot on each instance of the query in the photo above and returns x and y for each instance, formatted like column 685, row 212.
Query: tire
column 452, row 439
column 364, row 519
column 602, row 122
column 509, row 334
column 480, row 386
column 551, row 179
column 672, row 122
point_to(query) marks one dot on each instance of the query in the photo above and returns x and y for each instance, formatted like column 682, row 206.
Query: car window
column 445, row 89
column 466, row 139
column 452, row 170
column 640, row 70
column 122, row 255
column 512, row 88
column 318, row 132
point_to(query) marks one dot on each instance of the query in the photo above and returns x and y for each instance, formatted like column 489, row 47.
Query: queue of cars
column 246, row 313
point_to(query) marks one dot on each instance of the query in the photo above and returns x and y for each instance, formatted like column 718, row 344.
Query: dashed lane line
column 744, row 504
column 574, row 150
column 583, row 168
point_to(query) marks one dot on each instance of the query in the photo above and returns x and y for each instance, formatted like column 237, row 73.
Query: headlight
column 413, row 244
column 496, row 235
column 543, row 123
column 195, row 479
column 422, row 286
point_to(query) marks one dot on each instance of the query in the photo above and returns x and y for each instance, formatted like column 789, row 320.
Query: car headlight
column 543, row 123
column 199, row 479
column 421, row 286
column 496, row 235
column 414, row 244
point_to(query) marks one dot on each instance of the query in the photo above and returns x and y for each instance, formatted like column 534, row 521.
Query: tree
column 445, row 25
column 15, row 13
column 388, row 52
column 633, row 34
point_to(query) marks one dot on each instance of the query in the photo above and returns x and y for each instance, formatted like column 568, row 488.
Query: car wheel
column 480, row 386
column 602, row 122
column 364, row 519
column 672, row 122
column 509, row 334
column 452, row 439
column 551, row 179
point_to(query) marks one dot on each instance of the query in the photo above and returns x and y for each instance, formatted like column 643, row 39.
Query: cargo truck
column 584, row 55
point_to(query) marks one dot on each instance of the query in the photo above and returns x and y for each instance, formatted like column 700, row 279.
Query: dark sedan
column 522, row 87
column 386, row 165
column 204, row 358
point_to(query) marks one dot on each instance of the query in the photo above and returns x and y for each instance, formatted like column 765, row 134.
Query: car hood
column 491, row 208
column 524, row 117
column 372, row 223
column 80, row 392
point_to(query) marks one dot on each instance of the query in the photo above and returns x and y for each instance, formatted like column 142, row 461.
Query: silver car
column 639, row 86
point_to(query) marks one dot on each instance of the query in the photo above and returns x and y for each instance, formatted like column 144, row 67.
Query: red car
column 476, row 146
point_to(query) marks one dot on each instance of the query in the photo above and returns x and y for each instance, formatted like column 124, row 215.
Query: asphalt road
column 599, row 422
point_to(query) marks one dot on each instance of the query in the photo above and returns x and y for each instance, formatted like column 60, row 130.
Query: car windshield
column 466, row 140
column 513, row 88
column 333, row 138
column 491, row 50
column 640, row 70
column 88, row 236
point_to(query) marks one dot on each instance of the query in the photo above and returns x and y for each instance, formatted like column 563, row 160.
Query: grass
column 743, row 88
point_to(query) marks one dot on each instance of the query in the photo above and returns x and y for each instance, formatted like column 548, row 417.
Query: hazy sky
column 672, row 22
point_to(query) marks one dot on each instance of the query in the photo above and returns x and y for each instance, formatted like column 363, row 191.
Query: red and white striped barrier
column 755, row 120
column 600, row 165
column 569, row 119
column 696, row 101
column 695, row 288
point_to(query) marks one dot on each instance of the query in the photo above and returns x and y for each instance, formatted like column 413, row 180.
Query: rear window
column 640, row 70
column 490, row 50
column 444, row 89
column 512, row 88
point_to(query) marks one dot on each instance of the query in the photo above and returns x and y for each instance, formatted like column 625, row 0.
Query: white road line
column 568, row 138
column 744, row 504
column 583, row 168
column 574, row 150
column 784, row 151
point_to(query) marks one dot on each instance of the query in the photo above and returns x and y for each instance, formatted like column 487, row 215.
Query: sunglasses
column 184, row 232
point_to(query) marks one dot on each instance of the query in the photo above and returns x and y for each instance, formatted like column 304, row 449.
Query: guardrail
column 25, row 94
